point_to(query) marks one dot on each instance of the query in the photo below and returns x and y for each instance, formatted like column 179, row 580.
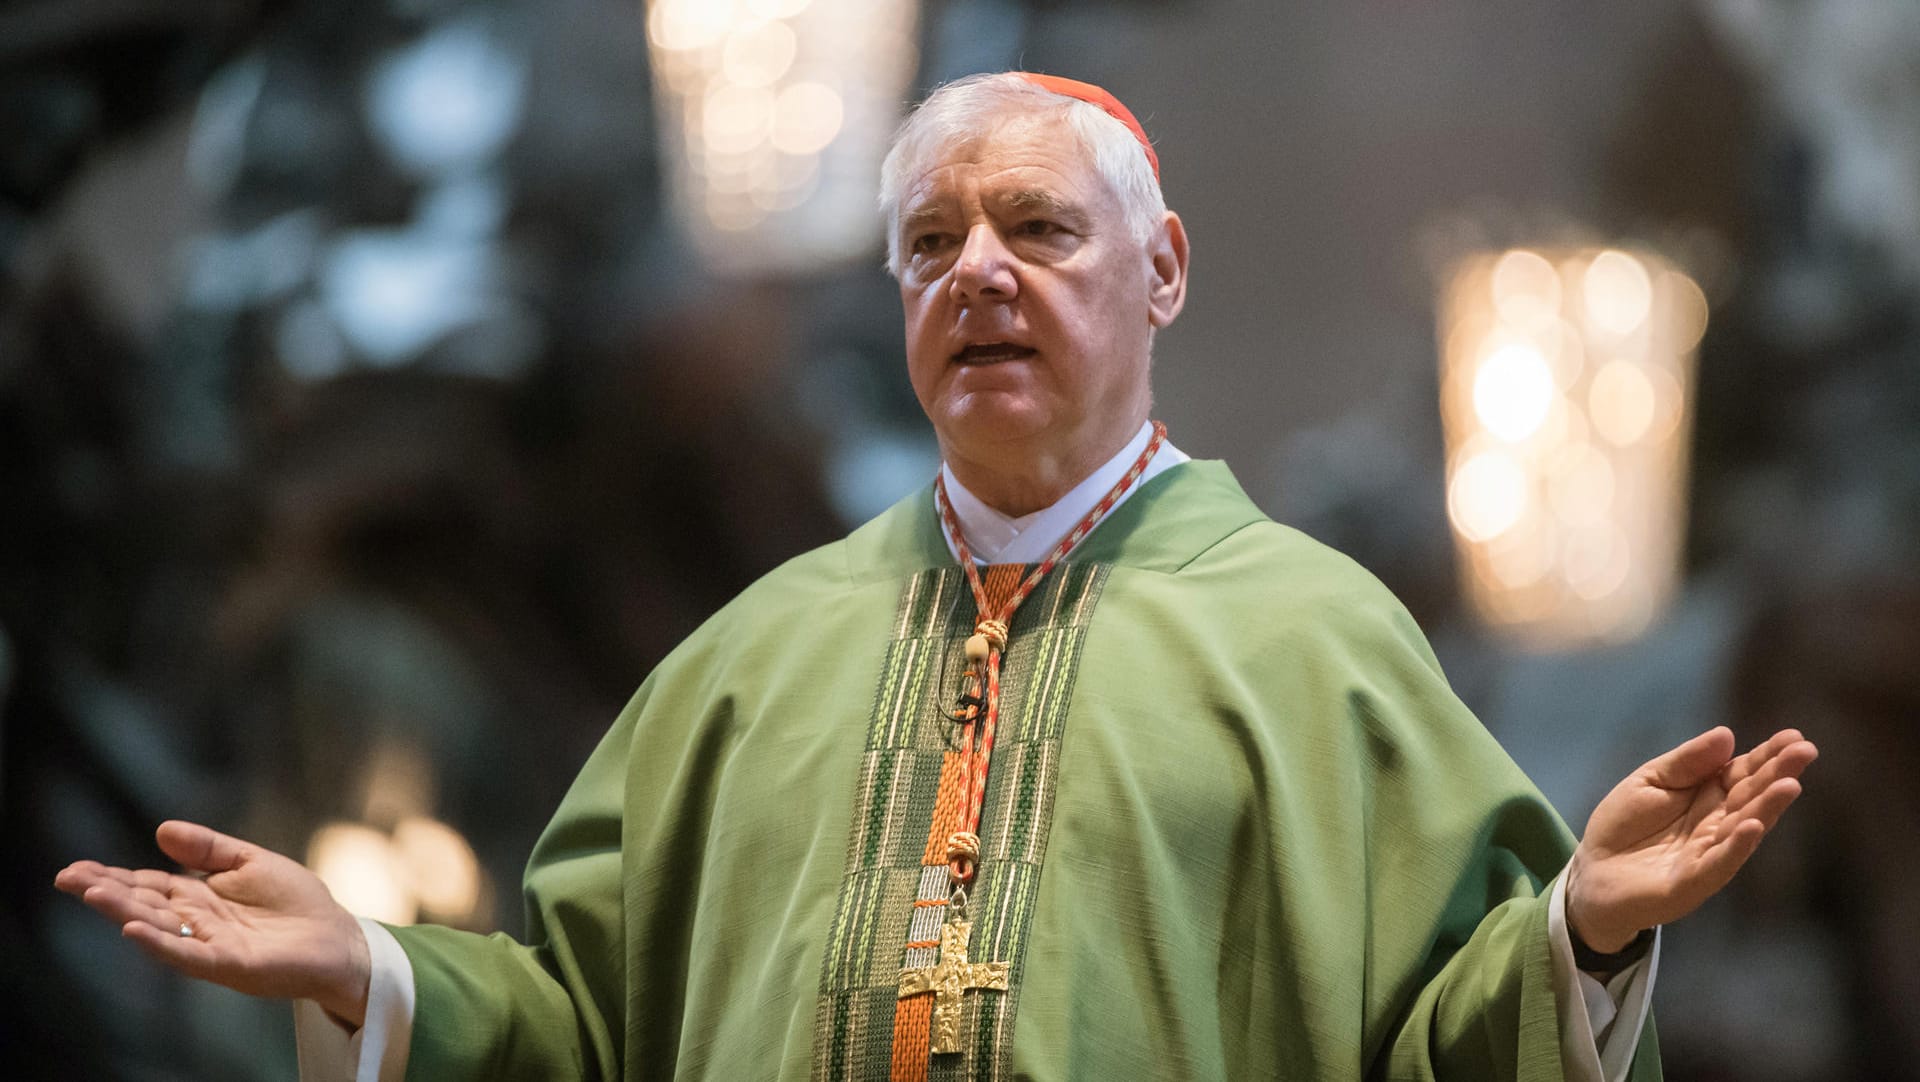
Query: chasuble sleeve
column 1468, row 849
column 648, row 893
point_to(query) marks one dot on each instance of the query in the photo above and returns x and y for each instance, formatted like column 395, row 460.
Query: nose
column 984, row 271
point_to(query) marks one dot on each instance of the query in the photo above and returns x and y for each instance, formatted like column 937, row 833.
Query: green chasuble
column 1236, row 827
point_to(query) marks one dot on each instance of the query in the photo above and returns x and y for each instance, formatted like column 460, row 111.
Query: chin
column 978, row 421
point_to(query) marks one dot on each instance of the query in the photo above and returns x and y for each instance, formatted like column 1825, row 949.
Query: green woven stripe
column 901, row 677
column 1053, row 649
column 917, row 602
column 930, row 600
column 990, row 1036
column 855, row 1036
column 878, row 771
column 907, row 738
column 1077, row 587
column 850, row 941
column 1022, row 804
column 1004, row 915
column 830, row 1041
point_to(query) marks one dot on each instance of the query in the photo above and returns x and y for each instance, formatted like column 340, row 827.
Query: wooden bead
column 976, row 649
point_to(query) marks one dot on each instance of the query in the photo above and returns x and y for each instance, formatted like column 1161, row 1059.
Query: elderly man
column 1073, row 765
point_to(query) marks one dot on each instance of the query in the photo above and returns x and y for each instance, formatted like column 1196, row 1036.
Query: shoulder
column 1273, row 577
column 1203, row 558
column 779, row 599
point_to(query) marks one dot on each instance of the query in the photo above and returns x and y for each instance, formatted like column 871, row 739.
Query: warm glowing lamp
column 422, row 868
column 774, row 115
column 359, row 866
column 1566, row 379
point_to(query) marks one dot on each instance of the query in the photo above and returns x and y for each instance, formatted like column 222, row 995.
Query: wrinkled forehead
column 1038, row 150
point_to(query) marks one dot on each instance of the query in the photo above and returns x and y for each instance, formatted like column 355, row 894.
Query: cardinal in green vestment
column 1072, row 765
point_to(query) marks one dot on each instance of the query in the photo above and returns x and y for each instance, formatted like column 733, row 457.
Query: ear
column 1167, row 271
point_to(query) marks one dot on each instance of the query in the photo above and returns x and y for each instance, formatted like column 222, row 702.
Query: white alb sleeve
column 1600, row 1024
column 377, row 1051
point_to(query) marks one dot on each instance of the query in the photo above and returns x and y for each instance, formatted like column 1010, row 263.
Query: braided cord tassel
column 988, row 644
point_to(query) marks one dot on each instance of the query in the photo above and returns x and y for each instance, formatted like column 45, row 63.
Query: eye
column 1037, row 227
column 927, row 243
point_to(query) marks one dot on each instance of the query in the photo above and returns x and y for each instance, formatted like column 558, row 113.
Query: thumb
column 1692, row 762
column 202, row 849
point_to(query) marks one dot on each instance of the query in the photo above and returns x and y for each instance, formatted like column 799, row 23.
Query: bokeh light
column 1621, row 402
column 423, row 868
column 1513, row 391
column 1487, row 495
column 1564, row 386
column 1617, row 292
column 361, row 868
column 774, row 117
column 1526, row 288
column 440, row 867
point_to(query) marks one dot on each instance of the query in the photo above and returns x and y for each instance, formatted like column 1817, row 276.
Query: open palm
column 1676, row 830
column 251, row 919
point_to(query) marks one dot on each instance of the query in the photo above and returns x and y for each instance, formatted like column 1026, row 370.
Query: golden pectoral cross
column 950, row 980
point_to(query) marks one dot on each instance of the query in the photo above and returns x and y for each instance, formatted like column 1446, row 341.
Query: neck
column 1017, row 483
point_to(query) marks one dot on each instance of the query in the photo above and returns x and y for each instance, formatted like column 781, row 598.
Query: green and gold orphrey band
column 908, row 739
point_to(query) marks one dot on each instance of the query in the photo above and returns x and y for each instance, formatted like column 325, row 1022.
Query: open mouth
column 992, row 352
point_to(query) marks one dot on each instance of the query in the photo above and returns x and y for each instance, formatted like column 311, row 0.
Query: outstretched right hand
column 253, row 920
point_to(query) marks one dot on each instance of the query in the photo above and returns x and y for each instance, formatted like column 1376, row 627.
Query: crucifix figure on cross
column 949, row 980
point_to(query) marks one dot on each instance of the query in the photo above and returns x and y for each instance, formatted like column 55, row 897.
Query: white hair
column 969, row 109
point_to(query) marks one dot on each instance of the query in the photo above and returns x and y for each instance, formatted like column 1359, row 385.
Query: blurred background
column 385, row 385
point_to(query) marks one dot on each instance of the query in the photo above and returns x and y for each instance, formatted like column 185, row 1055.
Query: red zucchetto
column 1087, row 92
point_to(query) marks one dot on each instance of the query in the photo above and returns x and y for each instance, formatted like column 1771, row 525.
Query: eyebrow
column 1037, row 200
column 922, row 215
column 1042, row 200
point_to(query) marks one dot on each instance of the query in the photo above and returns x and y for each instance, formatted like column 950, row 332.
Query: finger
column 1744, row 766
column 140, row 878
column 1762, row 755
column 75, row 878
column 121, row 905
column 1692, row 762
column 1765, row 809
column 1789, row 761
column 202, row 848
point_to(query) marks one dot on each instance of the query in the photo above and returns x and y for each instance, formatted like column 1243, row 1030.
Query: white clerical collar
column 999, row 539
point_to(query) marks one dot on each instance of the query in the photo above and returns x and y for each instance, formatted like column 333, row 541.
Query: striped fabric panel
column 912, row 1035
column 924, row 926
column 1025, row 799
column 853, row 1032
column 885, row 776
column 946, row 809
column 908, row 741
column 930, row 601
column 901, row 677
column 1006, row 902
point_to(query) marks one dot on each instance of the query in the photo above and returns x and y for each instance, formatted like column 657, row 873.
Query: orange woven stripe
column 912, row 1039
column 946, row 807
column 999, row 583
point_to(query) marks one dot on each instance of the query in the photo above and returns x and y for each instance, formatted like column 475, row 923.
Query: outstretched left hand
column 1674, row 832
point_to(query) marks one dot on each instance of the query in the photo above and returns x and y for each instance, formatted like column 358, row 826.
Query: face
column 1030, row 306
